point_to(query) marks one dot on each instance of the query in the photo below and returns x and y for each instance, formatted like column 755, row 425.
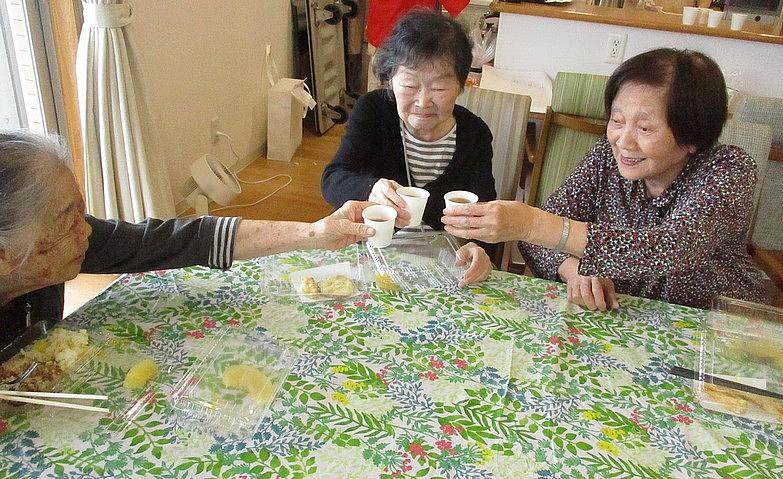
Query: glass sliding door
column 27, row 98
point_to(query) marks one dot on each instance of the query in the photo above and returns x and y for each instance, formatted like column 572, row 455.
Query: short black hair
column 422, row 36
column 696, row 103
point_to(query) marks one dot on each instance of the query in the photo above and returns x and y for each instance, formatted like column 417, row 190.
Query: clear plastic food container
column 739, row 366
column 60, row 353
column 233, row 383
column 416, row 262
column 334, row 276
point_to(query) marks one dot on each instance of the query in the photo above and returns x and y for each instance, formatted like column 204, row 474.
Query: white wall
column 203, row 59
column 551, row 45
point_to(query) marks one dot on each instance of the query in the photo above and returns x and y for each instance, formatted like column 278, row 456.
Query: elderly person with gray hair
column 410, row 132
column 46, row 238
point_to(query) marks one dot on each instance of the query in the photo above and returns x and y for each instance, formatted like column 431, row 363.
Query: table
column 503, row 380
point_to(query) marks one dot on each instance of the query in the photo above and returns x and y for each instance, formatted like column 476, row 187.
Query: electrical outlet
column 214, row 127
column 615, row 48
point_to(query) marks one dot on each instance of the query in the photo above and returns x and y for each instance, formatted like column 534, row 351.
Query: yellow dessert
column 384, row 282
column 249, row 378
column 309, row 286
column 338, row 285
column 140, row 374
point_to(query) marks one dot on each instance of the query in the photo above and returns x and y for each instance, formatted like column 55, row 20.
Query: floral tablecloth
column 502, row 380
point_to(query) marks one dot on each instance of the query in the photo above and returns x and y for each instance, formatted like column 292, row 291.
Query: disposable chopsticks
column 32, row 397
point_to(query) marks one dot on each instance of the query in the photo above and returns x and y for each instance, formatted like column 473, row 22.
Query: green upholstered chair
column 506, row 114
column 756, row 140
column 767, row 232
column 767, row 238
column 573, row 123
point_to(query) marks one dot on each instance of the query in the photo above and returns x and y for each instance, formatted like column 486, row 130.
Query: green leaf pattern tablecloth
column 502, row 380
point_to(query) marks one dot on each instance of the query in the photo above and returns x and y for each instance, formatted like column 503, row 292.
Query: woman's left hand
column 479, row 264
column 492, row 222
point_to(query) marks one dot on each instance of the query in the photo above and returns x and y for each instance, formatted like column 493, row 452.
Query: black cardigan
column 371, row 149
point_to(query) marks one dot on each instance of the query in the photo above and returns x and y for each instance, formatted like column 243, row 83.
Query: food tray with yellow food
column 416, row 262
column 742, row 342
column 61, row 354
column 233, row 383
column 336, row 276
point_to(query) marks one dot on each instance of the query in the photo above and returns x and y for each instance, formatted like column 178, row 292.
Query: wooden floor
column 299, row 201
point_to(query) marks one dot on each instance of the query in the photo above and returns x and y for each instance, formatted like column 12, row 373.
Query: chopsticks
column 31, row 397
column 691, row 374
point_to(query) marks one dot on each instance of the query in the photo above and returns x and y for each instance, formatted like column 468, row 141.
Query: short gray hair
column 29, row 166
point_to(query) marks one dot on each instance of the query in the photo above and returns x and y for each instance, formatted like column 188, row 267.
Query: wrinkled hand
column 343, row 227
column 591, row 292
column 479, row 264
column 384, row 192
column 492, row 222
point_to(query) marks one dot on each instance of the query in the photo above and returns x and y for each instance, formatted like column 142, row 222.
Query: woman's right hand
column 384, row 192
column 591, row 292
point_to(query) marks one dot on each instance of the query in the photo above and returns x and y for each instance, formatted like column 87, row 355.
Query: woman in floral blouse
column 655, row 209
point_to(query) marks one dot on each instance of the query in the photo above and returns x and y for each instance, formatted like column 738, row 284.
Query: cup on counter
column 689, row 15
column 738, row 20
column 704, row 15
column 416, row 200
column 459, row 197
column 381, row 218
column 714, row 20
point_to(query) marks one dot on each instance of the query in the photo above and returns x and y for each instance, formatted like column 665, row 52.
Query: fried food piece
column 384, row 282
column 249, row 378
column 140, row 374
column 729, row 398
column 309, row 286
column 339, row 285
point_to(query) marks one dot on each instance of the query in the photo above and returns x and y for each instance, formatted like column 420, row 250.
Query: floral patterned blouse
column 685, row 246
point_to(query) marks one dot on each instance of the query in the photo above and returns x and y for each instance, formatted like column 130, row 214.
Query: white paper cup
column 714, row 20
column 416, row 200
column 689, row 15
column 381, row 218
column 704, row 14
column 738, row 20
column 459, row 197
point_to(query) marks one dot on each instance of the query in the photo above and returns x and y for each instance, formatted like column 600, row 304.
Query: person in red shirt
column 382, row 15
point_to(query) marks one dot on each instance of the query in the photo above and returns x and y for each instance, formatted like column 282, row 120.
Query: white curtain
column 121, row 181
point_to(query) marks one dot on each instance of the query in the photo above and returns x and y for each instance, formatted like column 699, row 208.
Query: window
column 27, row 98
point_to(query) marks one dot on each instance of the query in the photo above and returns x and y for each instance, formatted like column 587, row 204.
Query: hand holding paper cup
column 381, row 218
column 459, row 197
column 415, row 201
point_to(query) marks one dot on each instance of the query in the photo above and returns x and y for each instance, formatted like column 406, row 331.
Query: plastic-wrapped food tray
column 416, row 262
column 233, row 384
column 335, row 276
column 741, row 342
column 60, row 351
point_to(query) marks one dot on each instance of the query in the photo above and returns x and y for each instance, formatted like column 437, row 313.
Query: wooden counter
column 633, row 17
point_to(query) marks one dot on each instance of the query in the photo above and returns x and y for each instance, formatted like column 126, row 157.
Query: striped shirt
column 221, row 255
column 427, row 160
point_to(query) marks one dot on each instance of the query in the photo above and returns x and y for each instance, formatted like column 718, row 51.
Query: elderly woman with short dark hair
column 411, row 133
column 657, row 208
column 46, row 238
